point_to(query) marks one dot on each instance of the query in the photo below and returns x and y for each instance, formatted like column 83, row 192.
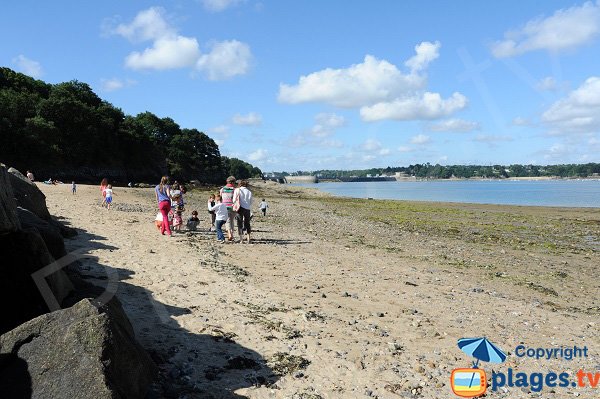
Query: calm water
column 569, row 193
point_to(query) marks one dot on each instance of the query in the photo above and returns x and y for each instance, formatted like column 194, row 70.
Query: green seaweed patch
column 282, row 363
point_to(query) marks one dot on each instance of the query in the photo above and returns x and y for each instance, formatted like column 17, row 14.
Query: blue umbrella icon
column 481, row 349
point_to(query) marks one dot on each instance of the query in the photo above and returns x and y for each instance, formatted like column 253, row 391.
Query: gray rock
column 24, row 253
column 81, row 352
column 8, row 214
column 49, row 232
column 27, row 194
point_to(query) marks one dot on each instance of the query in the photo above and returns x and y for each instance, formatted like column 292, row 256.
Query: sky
column 328, row 84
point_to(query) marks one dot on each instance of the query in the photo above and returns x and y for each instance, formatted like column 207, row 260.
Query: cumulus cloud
column 148, row 24
column 369, row 82
column 374, row 146
column 547, row 84
column 326, row 124
column 378, row 88
column 258, row 155
column 564, row 30
column 428, row 106
column 28, row 66
column 166, row 53
column 404, row 148
column 225, row 60
column 170, row 50
column 420, row 139
column 491, row 138
column 520, row 121
column 251, row 119
column 115, row 84
column 219, row 5
column 425, row 53
column 579, row 112
column 454, row 125
column 320, row 134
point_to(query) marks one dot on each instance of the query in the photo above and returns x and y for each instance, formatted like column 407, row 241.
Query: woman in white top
column 244, row 197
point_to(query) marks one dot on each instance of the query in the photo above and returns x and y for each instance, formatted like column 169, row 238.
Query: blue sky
column 307, row 85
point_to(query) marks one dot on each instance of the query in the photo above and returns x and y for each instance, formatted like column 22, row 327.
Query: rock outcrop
column 87, row 350
column 27, row 194
column 24, row 253
column 81, row 352
column 8, row 215
column 49, row 232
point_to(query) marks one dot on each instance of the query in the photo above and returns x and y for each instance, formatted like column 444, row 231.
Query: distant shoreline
column 531, row 178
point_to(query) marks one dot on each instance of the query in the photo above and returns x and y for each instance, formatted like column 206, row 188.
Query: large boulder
column 8, row 215
column 24, row 253
column 28, row 195
column 81, row 352
column 49, row 231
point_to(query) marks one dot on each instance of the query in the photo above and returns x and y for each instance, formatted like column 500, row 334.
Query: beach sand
column 341, row 298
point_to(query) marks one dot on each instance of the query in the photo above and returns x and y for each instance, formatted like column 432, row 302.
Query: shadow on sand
column 190, row 365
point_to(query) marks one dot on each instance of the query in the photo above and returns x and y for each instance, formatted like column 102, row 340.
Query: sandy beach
column 343, row 298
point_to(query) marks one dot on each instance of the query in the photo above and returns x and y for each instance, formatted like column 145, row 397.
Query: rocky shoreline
column 58, row 338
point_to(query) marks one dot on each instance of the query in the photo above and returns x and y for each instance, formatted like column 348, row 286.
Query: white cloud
column 547, row 84
column 404, row 148
column 222, row 131
column 219, row 142
column 251, row 119
column 520, row 121
column 170, row 50
column 454, row 125
column 28, row 66
column 371, row 145
column 565, row 29
column 115, row 84
column 258, row 155
column 579, row 112
column 491, row 138
column 361, row 84
column 429, row 106
column 225, row 60
column 326, row 124
column 425, row 53
column 166, row 53
column 420, row 139
column 219, row 5
column 149, row 24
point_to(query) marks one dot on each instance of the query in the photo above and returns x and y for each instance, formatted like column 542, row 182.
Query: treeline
column 65, row 131
column 438, row 171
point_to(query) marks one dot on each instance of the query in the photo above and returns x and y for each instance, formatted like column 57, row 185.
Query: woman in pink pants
column 163, row 197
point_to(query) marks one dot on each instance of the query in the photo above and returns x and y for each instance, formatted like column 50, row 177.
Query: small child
column 177, row 220
column 158, row 220
column 211, row 202
column 74, row 187
column 193, row 221
column 221, row 215
column 263, row 207
column 108, row 198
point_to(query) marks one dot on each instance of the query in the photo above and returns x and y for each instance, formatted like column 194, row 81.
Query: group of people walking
column 230, row 205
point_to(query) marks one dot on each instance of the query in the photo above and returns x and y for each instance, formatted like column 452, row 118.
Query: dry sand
column 343, row 298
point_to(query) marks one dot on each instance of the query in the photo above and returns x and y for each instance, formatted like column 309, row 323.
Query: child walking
column 221, row 215
column 211, row 202
column 108, row 197
column 263, row 207
column 74, row 187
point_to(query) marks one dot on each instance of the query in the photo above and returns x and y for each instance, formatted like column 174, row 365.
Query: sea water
column 564, row 193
